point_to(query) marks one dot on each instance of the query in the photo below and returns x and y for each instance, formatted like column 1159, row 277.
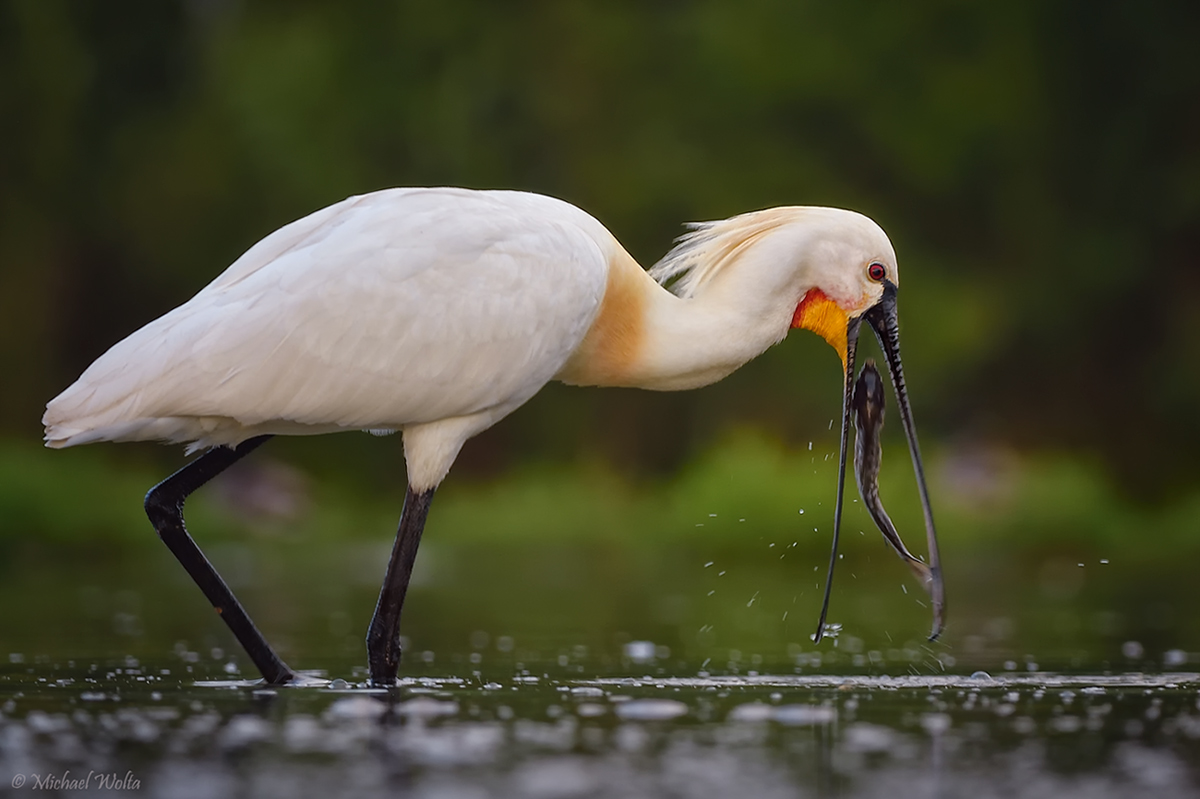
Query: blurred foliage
column 747, row 487
column 1039, row 558
column 1036, row 162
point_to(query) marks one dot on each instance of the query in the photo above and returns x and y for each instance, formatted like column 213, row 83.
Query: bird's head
column 826, row 270
column 850, row 276
column 847, row 266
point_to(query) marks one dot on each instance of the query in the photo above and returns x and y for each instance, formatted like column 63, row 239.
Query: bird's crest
column 700, row 254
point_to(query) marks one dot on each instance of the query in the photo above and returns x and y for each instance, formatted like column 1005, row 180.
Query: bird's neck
column 646, row 337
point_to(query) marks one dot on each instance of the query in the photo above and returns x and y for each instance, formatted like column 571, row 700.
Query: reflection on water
column 595, row 672
column 543, row 735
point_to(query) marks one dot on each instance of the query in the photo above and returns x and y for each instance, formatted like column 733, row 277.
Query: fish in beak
column 883, row 319
column 869, row 412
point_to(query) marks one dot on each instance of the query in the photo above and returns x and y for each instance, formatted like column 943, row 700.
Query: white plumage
column 389, row 310
column 410, row 308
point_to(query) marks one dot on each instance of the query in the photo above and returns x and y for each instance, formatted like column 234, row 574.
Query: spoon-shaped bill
column 883, row 319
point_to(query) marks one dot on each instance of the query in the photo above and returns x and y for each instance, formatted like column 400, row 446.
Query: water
column 594, row 672
column 545, row 736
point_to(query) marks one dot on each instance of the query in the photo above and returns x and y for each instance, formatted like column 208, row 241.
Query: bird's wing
column 389, row 309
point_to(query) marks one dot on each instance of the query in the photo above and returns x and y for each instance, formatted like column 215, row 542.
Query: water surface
column 598, row 672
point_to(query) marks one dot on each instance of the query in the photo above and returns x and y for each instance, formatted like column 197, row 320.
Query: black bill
column 883, row 319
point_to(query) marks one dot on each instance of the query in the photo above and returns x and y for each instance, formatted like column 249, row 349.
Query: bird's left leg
column 164, row 506
column 383, row 636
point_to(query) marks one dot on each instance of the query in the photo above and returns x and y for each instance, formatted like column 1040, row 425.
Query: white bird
column 436, row 312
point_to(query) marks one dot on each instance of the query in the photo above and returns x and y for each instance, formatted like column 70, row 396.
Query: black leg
column 383, row 636
column 164, row 506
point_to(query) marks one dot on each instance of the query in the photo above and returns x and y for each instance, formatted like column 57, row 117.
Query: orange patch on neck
column 823, row 316
column 617, row 335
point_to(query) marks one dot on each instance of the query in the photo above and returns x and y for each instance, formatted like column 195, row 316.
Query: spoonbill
column 436, row 312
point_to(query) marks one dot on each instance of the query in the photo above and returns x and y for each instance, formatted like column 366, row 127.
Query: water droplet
column 640, row 651
column 935, row 723
column 1174, row 657
column 426, row 707
column 750, row 713
column 651, row 709
column 590, row 710
column 354, row 708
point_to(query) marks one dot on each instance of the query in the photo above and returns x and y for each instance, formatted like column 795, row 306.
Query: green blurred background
column 1036, row 163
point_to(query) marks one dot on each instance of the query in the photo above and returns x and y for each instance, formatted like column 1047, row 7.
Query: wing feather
column 389, row 309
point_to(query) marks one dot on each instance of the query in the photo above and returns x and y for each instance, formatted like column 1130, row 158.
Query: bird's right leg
column 383, row 636
column 164, row 506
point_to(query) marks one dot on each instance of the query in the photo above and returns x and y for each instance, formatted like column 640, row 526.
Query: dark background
column 1036, row 163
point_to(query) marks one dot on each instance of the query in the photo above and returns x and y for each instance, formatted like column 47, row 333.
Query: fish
column 868, row 405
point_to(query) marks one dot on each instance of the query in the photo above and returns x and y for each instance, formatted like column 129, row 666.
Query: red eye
column 876, row 272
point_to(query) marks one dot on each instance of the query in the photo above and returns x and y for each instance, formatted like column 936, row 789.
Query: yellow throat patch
column 823, row 316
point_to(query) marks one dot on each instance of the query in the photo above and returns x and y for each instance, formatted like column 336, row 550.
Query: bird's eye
column 877, row 272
